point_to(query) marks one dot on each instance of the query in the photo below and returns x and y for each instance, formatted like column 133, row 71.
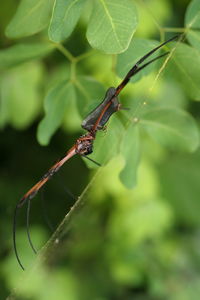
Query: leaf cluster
column 51, row 23
column 57, row 59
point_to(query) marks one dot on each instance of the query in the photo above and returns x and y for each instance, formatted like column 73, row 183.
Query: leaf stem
column 174, row 29
column 64, row 51
column 85, row 55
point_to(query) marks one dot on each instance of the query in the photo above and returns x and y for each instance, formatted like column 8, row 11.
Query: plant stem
column 64, row 51
column 85, row 55
column 174, row 29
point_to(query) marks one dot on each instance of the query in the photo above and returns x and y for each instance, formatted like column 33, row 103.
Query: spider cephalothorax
column 84, row 145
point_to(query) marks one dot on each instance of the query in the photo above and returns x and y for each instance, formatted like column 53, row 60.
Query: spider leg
column 149, row 62
column 92, row 160
column 27, row 226
column 30, row 194
column 136, row 68
column 155, row 49
column 14, row 236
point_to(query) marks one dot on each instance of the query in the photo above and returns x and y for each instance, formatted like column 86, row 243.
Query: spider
column 95, row 121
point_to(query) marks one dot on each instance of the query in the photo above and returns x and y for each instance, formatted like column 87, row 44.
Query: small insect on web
column 95, row 121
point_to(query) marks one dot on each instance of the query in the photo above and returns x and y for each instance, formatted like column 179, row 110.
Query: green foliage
column 65, row 16
column 24, row 80
column 186, row 60
column 55, row 105
column 136, row 235
column 192, row 23
column 21, row 53
column 31, row 17
column 88, row 93
column 137, row 48
column 172, row 127
column 182, row 169
column 131, row 154
column 108, row 30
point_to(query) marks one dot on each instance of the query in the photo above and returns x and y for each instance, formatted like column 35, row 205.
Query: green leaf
column 192, row 22
column 89, row 94
column 185, row 65
column 64, row 19
column 172, row 127
column 23, row 52
column 31, row 17
column 20, row 95
column 137, row 49
column 72, row 119
column 193, row 37
column 56, row 104
column 112, row 25
column 192, row 17
column 130, row 149
column 180, row 172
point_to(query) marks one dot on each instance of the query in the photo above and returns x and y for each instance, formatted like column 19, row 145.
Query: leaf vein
column 163, row 126
column 111, row 21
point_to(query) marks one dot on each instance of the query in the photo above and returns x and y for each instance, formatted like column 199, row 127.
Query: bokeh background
column 118, row 243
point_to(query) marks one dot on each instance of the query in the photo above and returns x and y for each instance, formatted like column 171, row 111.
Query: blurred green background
column 118, row 243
